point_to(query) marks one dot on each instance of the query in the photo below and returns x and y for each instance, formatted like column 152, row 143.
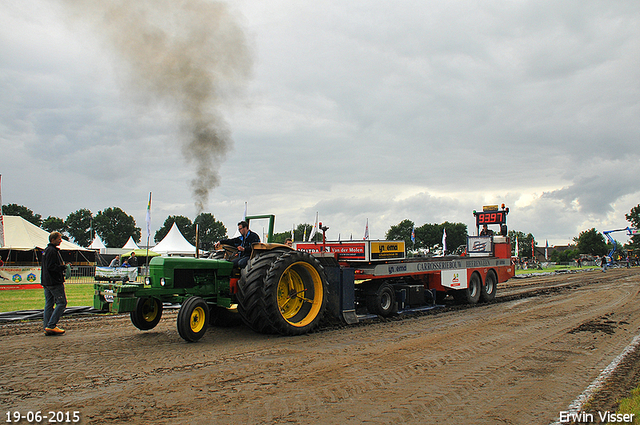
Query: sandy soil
column 520, row 360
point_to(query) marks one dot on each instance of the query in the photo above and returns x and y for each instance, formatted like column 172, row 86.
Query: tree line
column 114, row 227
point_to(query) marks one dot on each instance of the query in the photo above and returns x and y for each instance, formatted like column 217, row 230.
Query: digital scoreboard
column 491, row 217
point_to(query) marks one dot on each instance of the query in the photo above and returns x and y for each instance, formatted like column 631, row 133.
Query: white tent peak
column 131, row 244
column 97, row 244
column 174, row 243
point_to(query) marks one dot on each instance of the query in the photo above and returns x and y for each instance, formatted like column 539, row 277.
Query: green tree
column 428, row 236
column 54, row 224
column 210, row 230
column 24, row 212
column 524, row 243
column 184, row 224
column 591, row 242
column 564, row 256
column 78, row 225
column 115, row 227
column 401, row 232
column 634, row 218
column 456, row 235
column 299, row 232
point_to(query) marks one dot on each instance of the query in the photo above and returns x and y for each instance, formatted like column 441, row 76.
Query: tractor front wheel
column 193, row 319
column 147, row 313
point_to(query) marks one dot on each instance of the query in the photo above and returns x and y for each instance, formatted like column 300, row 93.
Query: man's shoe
column 53, row 331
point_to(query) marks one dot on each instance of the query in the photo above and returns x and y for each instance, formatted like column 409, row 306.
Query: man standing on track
column 52, row 279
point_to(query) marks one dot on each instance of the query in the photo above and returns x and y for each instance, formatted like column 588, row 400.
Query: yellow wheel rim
column 149, row 310
column 300, row 294
column 197, row 319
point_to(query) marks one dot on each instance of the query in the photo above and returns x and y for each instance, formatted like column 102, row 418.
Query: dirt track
column 520, row 361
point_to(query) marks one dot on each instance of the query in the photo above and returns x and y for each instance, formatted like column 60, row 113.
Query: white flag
column 315, row 229
column 444, row 241
column 516, row 246
column 366, row 231
column 148, row 219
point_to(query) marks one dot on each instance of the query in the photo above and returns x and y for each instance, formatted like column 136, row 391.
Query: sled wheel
column 489, row 288
column 147, row 313
column 193, row 319
column 382, row 300
column 471, row 294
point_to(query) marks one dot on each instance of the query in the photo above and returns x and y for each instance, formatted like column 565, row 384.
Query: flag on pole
column 413, row 234
column 366, row 231
column 444, row 241
column 1, row 219
column 293, row 238
column 315, row 228
column 517, row 246
column 546, row 250
column 148, row 218
column 533, row 249
column 304, row 234
column 244, row 218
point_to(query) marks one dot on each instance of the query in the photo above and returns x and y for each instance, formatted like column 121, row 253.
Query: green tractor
column 280, row 291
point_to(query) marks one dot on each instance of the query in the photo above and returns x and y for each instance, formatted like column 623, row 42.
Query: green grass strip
column 78, row 294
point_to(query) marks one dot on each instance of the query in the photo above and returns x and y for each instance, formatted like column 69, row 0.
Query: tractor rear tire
column 283, row 292
column 250, row 292
column 489, row 288
column 147, row 313
column 471, row 294
column 193, row 319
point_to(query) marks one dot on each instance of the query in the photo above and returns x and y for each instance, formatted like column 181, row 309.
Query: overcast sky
column 359, row 110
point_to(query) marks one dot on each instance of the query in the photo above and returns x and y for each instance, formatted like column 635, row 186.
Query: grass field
column 554, row 269
column 78, row 294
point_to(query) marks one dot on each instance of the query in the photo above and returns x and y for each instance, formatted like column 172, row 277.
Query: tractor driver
column 243, row 243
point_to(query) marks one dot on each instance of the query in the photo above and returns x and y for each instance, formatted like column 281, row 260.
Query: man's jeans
column 53, row 295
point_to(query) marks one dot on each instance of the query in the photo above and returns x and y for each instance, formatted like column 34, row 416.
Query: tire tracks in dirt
column 519, row 360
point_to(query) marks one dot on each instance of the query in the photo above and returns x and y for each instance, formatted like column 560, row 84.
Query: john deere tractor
column 280, row 291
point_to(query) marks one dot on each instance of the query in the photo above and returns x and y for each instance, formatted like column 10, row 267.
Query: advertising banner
column 19, row 277
column 455, row 279
column 479, row 246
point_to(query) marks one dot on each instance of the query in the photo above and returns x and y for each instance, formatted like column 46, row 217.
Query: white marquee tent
column 23, row 243
column 174, row 244
column 21, row 235
column 131, row 244
column 98, row 245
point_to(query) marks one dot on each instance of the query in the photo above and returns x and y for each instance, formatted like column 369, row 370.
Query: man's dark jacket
column 53, row 267
column 244, row 242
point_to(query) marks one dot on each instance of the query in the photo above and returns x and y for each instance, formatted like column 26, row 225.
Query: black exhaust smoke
column 189, row 55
